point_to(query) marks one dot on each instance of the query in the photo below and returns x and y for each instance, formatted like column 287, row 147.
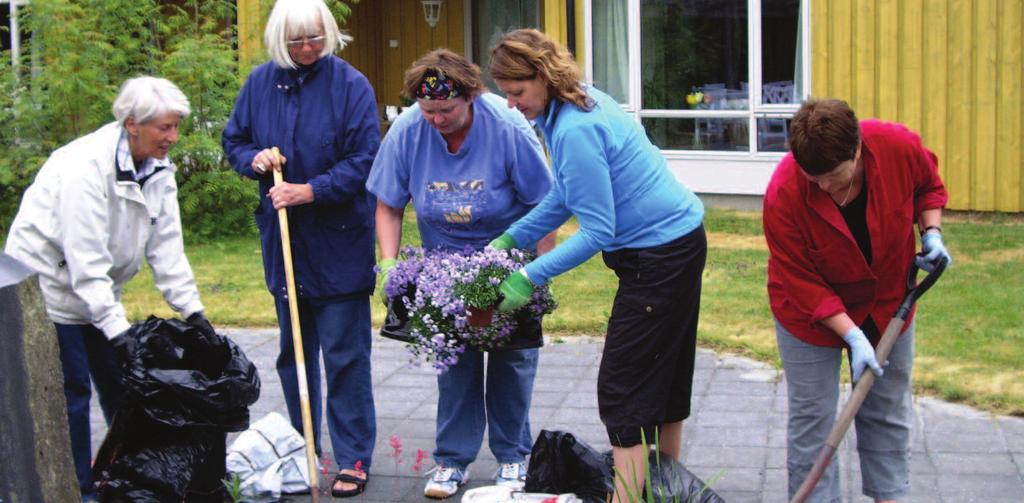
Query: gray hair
column 146, row 98
column 292, row 19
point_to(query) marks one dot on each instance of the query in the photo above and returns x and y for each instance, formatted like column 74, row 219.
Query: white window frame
column 708, row 171
column 14, row 28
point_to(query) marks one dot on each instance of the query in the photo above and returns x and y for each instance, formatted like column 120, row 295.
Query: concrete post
column 35, row 449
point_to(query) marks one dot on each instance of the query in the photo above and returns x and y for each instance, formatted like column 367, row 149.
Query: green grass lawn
column 970, row 325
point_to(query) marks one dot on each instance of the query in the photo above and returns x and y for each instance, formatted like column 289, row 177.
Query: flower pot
column 480, row 317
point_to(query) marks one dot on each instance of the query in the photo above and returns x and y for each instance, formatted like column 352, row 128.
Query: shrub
column 74, row 59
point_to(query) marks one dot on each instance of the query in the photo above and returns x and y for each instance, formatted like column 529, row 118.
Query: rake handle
column 300, row 356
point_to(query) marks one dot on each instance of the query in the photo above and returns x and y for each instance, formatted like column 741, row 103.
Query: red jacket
column 815, row 269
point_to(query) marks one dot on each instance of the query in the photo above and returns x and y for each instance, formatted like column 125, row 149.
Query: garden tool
column 867, row 379
column 300, row 359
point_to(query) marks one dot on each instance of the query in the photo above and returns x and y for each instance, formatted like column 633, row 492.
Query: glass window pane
column 772, row 135
column 610, row 44
column 690, row 46
column 492, row 19
column 781, row 43
column 698, row 134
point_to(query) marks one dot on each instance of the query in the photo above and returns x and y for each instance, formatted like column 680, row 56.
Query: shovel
column 300, row 358
column 867, row 379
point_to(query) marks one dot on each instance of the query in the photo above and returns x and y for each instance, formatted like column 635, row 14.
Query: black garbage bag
column 561, row 463
column 184, row 392
column 671, row 482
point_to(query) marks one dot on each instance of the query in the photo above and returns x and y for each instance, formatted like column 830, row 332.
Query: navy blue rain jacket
column 324, row 120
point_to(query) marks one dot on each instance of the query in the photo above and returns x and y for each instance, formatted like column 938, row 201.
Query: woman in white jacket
column 97, row 207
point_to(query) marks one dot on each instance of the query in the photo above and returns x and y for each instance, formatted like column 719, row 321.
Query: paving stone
column 735, row 439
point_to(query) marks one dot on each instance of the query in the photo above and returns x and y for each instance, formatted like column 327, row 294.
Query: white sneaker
column 511, row 475
column 445, row 482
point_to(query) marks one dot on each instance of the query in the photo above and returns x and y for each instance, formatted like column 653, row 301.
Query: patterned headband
column 437, row 86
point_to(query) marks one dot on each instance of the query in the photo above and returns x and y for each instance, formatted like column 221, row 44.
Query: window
column 11, row 39
column 703, row 75
column 492, row 19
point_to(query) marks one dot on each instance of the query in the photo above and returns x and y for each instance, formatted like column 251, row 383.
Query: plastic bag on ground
column 269, row 459
column 184, row 392
column 561, row 463
column 672, row 482
column 501, row 494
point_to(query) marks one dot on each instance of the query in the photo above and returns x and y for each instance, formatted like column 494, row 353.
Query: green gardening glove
column 503, row 242
column 384, row 268
column 517, row 290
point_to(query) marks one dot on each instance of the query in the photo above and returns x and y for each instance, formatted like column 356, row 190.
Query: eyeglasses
column 314, row 42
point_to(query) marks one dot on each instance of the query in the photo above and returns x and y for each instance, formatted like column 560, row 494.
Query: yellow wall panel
column 982, row 127
column 1008, row 164
column 910, row 72
column 889, row 61
column 949, row 69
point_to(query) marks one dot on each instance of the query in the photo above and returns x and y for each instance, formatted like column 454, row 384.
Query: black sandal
column 360, row 484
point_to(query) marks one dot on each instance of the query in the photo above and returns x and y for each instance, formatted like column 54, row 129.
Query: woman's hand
column 861, row 353
column 290, row 194
column 934, row 250
column 265, row 160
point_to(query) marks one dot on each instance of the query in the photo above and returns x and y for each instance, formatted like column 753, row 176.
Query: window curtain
column 611, row 48
column 798, row 66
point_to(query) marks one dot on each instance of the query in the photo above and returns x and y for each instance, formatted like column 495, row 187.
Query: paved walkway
column 735, row 440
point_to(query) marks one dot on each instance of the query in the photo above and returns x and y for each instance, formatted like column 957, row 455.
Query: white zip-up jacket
column 85, row 225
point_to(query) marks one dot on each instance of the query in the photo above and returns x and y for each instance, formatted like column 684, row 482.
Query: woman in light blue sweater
column 646, row 224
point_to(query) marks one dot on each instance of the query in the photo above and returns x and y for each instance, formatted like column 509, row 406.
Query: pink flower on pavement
column 418, row 464
column 396, row 448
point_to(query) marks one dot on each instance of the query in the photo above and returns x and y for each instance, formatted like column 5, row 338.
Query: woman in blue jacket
column 648, row 226
column 322, row 115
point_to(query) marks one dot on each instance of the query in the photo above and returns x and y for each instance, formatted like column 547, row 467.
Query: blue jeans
column 883, row 421
column 85, row 352
column 341, row 329
column 464, row 407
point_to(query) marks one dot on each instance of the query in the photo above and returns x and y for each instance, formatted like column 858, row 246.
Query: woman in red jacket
column 839, row 216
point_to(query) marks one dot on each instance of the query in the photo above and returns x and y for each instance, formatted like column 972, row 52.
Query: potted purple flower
column 439, row 292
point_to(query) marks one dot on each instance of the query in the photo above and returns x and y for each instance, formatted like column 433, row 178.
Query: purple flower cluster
column 438, row 287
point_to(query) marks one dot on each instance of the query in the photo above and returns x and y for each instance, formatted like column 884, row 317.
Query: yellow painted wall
column 949, row 69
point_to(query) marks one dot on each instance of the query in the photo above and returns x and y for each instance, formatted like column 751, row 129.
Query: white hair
column 146, row 98
column 293, row 19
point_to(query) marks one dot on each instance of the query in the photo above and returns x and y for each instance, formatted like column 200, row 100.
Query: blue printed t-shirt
column 468, row 197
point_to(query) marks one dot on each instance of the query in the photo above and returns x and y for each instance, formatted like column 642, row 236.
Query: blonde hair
column 466, row 75
column 527, row 53
column 292, row 19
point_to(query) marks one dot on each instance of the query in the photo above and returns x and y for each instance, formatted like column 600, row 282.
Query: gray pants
column 882, row 423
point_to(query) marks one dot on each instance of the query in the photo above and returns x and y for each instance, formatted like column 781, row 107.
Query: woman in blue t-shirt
column 471, row 166
column 648, row 226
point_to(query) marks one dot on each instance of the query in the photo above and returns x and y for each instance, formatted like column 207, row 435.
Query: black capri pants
column 646, row 373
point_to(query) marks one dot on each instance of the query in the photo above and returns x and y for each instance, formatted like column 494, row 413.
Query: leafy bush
column 76, row 56
column 217, row 203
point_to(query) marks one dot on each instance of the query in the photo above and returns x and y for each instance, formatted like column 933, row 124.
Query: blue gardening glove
column 934, row 250
column 517, row 289
column 384, row 267
column 861, row 353
column 503, row 242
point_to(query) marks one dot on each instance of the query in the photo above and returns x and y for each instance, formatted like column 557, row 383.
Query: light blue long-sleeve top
column 613, row 179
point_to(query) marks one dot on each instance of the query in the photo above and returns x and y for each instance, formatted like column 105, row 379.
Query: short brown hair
column 823, row 134
column 526, row 53
column 466, row 75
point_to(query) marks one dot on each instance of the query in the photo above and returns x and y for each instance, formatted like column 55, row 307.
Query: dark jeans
column 85, row 352
column 341, row 330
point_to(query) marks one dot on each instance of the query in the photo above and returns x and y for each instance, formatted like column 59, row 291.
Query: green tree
column 75, row 57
